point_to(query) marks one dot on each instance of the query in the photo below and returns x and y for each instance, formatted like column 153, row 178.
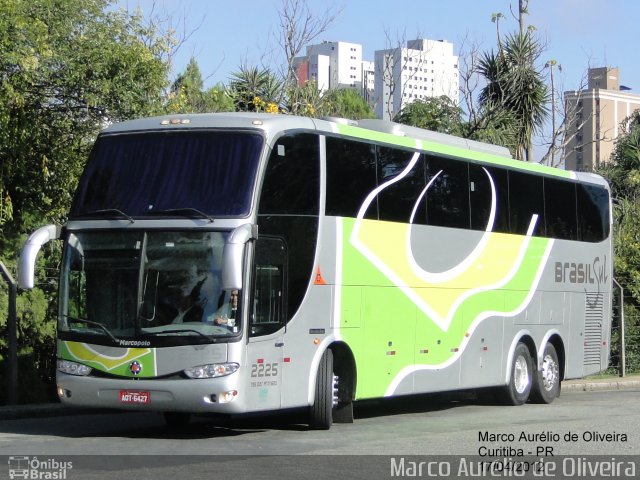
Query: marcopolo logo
column 37, row 469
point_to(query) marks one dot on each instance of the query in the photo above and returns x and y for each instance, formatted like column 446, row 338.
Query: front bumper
column 175, row 395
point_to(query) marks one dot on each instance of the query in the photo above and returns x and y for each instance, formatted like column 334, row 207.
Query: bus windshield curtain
column 143, row 173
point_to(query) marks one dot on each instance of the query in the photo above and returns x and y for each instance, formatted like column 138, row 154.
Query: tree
column 346, row 103
column 516, row 85
column 72, row 69
column 190, row 80
column 523, row 6
column 439, row 114
column 299, row 26
column 67, row 68
column 305, row 100
column 255, row 90
column 187, row 94
column 623, row 174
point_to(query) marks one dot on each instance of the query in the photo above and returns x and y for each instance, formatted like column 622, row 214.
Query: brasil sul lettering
column 584, row 273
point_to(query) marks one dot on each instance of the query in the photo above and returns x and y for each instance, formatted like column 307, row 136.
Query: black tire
column 177, row 420
column 546, row 386
column 321, row 412
column 520, row 377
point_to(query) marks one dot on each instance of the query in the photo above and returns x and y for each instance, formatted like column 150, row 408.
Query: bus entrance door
column 266, row 331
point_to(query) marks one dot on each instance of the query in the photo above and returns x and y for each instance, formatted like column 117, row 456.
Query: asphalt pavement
column 13, row 412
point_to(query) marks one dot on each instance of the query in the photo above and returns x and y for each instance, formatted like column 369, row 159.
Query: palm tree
column 516, row 85
column 251, row 88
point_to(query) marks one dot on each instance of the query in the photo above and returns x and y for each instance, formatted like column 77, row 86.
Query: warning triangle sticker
column 319, row 280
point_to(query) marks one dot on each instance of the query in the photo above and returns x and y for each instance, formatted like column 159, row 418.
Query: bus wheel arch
column 334, row 388
column 344, row 368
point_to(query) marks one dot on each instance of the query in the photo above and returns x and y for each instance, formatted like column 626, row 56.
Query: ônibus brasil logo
column 33, row 468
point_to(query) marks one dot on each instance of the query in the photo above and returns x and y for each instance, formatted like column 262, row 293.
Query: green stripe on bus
column 387, row 331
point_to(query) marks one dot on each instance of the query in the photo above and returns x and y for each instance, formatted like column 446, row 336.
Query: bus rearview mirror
column 27, row 262
column 232, row 255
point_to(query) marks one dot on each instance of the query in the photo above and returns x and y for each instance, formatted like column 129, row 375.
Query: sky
column 578, row 33
column 224, row 35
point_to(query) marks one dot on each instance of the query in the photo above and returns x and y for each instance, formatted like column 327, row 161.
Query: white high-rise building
column 331, row 65
column 425, row 68
column 368, row 82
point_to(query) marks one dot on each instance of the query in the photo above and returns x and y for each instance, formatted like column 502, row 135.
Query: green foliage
column 623, row 174
column 305, row 100
column 495, row 126
column 254, row 90
column 516, row 85
column 68, row 68
column 187, row 94
column 439, row 114
column 346, row 103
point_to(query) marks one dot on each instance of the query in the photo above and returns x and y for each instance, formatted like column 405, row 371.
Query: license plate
column 130, row 396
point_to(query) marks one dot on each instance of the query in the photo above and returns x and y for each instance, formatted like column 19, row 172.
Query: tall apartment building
column 596, row 114
column 368, row 82
column 334, row 65
column 425, row 68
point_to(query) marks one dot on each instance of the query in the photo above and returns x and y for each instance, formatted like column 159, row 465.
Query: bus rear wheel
column 546, row 386
column 521, row 378
column 321, row 412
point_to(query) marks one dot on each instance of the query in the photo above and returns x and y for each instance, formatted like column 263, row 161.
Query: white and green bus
column 232, row 263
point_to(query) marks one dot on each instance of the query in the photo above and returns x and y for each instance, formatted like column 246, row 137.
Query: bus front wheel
column 546, row 386
column 321, row 412
column 520, row 380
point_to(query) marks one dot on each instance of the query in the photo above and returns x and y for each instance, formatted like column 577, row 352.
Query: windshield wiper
column 96, row 324
column 185, row 212
column 181, row 330
column 107, row 212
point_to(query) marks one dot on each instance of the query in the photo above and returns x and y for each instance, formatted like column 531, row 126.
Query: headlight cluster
column 73, row 368
column 212, row 370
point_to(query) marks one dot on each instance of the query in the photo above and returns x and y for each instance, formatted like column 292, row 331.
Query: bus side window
column 269, row 296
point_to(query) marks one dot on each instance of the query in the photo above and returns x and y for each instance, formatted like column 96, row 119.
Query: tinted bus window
column 448, row 194
column 593, row 213
column 480, row 194
column 351, row 176
column 526, row 198
column 560, row 209
column 289, row 208
column 396, row 202
column 292, row 180
column 213, row 172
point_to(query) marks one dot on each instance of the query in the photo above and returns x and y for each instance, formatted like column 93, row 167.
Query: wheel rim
column 549, row 372
column 521, row 374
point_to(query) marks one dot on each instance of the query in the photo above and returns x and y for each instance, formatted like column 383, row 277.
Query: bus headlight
column 211, row 370
column 73, row 368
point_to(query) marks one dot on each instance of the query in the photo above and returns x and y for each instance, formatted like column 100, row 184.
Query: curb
column 602, row 385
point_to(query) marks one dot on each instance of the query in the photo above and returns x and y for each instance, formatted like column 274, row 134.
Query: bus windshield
column 160, row 288
column 148, row 173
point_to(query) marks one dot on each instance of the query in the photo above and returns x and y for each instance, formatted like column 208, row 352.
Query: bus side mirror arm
column 27, row 262
column 233, row 254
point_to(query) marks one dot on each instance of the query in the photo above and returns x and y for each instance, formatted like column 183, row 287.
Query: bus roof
column 379, row 131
